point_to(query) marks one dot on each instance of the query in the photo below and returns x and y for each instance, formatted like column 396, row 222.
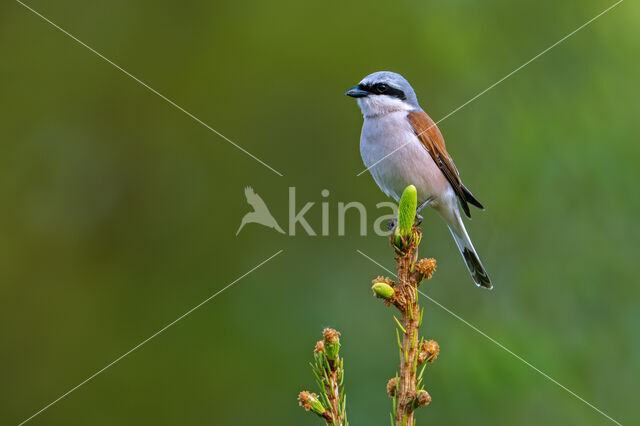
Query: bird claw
column 420, row 207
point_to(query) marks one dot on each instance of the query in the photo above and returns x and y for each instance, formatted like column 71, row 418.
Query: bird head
column 383, row 92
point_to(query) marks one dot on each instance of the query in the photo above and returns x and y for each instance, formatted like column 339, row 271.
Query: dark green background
column 119, row 212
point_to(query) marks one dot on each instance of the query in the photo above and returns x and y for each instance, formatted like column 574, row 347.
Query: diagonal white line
column 149, row 338
column 498, row 82
column 172, row 103
column 521, row 359
column 501, row 346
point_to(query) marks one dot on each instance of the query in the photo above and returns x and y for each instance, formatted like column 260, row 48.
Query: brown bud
column 391, row 386
column 422, row 399
column 428, row 351
column 426, row 267
column 304, row 399
column 319, row 347
column 310, row 401
column 330, row 335
column 331, row 343
column 381, row 279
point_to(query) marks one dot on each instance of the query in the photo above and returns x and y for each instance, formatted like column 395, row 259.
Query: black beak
column 356, row 92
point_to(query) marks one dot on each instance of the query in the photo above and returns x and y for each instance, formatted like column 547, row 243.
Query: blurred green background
column 119, row 212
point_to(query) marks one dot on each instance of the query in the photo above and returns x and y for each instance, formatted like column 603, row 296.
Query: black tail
column 468, row 196
column 471, row 259
column 476, row 269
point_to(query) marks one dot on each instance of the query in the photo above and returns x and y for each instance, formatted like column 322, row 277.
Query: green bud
column 331, row 343
column 316, row 405
column 383, row 290
column 407, row 210
column 332, row 350
column 310, row 401
column 397, row 239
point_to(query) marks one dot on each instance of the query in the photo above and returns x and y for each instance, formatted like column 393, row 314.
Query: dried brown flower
column 428, row 351
column 319, row 347
column 305, row 398
column 381, row 279
column 330, row 335
column 423, row 398
column 310, row 401
column 391, row 386
column 426, row 267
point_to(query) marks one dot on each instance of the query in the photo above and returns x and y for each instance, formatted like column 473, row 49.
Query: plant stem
column 328, row 369
column 334, row 397
column 410, row 349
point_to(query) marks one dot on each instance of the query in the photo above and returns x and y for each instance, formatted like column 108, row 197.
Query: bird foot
column 420, row 207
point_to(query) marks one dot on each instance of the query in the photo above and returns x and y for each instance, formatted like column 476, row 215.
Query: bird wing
column 248, row 192
column 430, row 136
column 254, row 199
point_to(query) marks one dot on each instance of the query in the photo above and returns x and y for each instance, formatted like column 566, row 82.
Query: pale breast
column 396, row 158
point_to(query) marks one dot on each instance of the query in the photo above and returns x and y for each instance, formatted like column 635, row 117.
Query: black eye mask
column 383, row 89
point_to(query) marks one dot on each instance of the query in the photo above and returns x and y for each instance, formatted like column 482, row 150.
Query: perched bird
column 260, row 213
column 401, row 146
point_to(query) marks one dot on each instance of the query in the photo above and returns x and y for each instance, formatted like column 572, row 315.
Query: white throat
column 377, row 105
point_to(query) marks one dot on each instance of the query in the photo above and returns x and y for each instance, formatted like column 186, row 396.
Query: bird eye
column 381, row 88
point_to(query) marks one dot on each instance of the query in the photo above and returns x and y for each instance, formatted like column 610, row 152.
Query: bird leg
column 391, row 225
column 422, row 206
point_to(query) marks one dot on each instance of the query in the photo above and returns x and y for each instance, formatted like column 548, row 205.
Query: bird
column 401, row 145
column 260, row 213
